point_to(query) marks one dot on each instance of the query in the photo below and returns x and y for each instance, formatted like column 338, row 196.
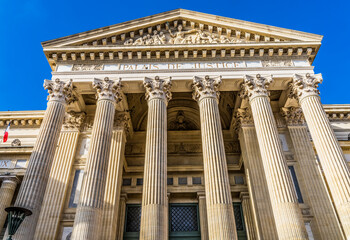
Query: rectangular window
column 347, row 157
column 139, row 181
column 67, row 233
column 239, row 220
column 239, row 180
column 21, row 163
column 132, row 221
column 184, row 221
column 182, row 181
column 170, row 181
column 295, row 184
column 196, row 181
column 77, row 184
column 85, row 143
column 126, row 181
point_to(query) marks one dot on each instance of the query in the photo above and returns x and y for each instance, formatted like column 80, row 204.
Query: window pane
column 295, row 184
column 309, row 231
column 183, row 218
column 182, row 181
column 139, row 181
column 127, row 182
column 170, row 181
column 196, row 180
column 77, row 183
column 239, row 180
column 133, row 218
column 284, row 142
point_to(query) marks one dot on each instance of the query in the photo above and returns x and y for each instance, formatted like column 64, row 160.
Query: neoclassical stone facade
column 180, row 125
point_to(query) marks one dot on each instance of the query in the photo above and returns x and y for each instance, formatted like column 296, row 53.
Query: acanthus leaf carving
column 206, row 87
column 108, row 89
column 61, row 91
column 243, row 118
column 305, row 85
column 158, row 88
column 73, row 120
column 293, row 115
column 255, row 86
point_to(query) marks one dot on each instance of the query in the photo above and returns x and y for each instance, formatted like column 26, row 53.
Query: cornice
column 22, row 118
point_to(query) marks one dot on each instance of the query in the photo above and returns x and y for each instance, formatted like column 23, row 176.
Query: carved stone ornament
column 60, row 90
column 243, row 118
column 180, row 36
column 108, row 89
column 158, row 88
column 16, row 143
column 87, row 67
column 206, row 87
column 73, row 120
column 304, row 86
column 274, row 63
column 293, row 115
column 255, row 86
column 121, row 121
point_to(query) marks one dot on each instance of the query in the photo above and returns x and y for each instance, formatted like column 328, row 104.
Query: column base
column 153, row 222
column 88, row 224
column 221, row 221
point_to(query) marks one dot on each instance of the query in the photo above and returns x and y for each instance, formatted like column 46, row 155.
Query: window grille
column 237, row 209
column 139, row 181
column 196, row 180
column 133, row 218
column 126, row 181
column 182, row 181
column 170, row 181
column 239, row 180
column 184, row 218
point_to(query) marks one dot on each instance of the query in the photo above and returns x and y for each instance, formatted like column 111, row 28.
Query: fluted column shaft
column 248, row 217
column 202, row 205
column 221, row 222
column 33, row 187
column 288, row 218
column 7, row 189
column 55, row 195
column 121, row 218
column 258, row 190
column 331, row 156
column 113, row 185
column 154, row 195
column 317, row 192
column 88, row 218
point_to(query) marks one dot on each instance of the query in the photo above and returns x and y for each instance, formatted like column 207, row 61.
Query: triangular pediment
column 181, row 27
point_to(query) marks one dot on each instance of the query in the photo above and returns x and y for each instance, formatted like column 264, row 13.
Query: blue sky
column 25, row 24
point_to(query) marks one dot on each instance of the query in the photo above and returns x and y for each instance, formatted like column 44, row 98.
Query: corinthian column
column 221, row 220
column 57, row 186
column 319, row 199
column 287, row 214
column 154, row 195
column 255, row 174
column 330, row 154
column 33, row 187
column 114, row 178
column 8, row 187
column 88, row 218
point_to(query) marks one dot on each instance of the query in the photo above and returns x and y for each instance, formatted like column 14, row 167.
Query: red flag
column 6, row 134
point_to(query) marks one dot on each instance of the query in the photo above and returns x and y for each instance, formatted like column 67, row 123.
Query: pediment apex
column 206, row 28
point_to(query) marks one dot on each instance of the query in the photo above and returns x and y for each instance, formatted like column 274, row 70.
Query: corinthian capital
column 206, row 87
column 293, row 115
column 255, row 86
column 73, row 120
column 244, row 118
column 59, row 90
column 305, row 85
column 108, row 89
column 157, row 88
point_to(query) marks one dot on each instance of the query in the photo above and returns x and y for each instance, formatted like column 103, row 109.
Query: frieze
column 196, row 65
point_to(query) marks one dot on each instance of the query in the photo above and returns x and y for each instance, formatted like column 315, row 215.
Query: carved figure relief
column 87, row 67
column 180, row 36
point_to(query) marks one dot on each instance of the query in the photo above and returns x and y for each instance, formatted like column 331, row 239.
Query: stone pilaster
column 202, row 205
column 331, row 156
column 154, row 195
column 114, row 178
column 7, row 189
column 319, row 199
column 286, row 211
column 121, row 218
column 256, row 179
column 88, row 218
column 31, row 193
column 221, row 222
column 57, row 186
column 248, row 217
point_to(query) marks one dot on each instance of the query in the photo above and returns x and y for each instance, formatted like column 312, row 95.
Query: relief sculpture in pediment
column 181, row 36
